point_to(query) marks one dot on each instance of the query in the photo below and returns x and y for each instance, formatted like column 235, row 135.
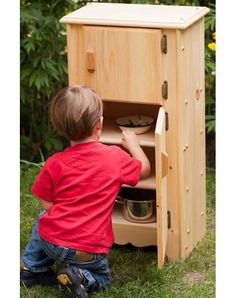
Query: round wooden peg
column 186, row 246
column 188, row 231
column 202, row 213
column 187, row 188
column 186, row 102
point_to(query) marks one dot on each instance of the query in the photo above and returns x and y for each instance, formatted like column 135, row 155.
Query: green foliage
column 44, row 67
column 210, row 69
column 43, row 71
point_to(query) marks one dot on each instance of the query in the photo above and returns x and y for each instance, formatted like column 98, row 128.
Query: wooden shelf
column 148, row 183
column 138, row 234
column 111, row 134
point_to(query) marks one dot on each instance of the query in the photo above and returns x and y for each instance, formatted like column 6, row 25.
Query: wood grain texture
column 138, row 234
column 128, row 63
column 136, row 15
column 162, row 226
column 190, row 55
column 172, row 146
column 73, row 43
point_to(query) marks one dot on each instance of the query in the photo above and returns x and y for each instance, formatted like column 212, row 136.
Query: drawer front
column 122, row 64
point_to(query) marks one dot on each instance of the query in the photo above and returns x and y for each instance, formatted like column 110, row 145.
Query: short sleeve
column 44, row 184
column 130, row 169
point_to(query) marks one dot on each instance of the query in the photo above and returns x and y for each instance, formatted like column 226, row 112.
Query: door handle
column 90, row 60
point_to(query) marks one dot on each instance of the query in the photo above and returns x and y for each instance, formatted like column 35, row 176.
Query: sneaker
column 70, row 282
column 29, row 278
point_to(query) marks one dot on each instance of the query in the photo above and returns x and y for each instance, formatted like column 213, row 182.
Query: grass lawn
column 133, row 270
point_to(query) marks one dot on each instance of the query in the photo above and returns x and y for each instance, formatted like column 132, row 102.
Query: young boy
column 78, row 188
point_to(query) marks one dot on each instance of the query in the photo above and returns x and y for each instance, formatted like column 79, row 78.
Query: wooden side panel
column 191, row 111
column 160, row 151
column 172, row 145
column 73, row 49
column 127, row 63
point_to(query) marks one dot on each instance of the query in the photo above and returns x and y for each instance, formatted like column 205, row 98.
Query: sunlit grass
column 133, row 270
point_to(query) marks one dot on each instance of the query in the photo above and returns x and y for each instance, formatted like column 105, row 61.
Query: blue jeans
column 40, row 254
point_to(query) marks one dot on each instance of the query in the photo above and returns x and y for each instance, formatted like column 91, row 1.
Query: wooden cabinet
column 149, row 59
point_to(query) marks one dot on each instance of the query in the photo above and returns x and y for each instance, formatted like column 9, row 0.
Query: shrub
column 43, row 71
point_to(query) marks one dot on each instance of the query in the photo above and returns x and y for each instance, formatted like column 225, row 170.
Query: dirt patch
column 192, row 278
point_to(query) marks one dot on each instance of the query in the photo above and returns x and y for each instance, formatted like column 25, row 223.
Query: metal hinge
column 164, row 44
column 164, row 90
column 167, row 120
column 168, row 219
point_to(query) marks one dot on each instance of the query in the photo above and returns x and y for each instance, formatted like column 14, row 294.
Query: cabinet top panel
column 136, row 15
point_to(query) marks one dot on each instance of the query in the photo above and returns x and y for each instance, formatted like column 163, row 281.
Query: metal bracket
column 164, row 90
column 164, row 44
column 167, row 120
column 168, row 219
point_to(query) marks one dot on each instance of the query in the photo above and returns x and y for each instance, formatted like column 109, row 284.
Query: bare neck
column 94, row 137
column 85, row 140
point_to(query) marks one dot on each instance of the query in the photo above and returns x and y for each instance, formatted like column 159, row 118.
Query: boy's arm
column 44, row 184
column 46, row 205
column 131, row 143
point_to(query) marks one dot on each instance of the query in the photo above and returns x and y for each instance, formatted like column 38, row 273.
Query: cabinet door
column 161, row 200
column 122, row 64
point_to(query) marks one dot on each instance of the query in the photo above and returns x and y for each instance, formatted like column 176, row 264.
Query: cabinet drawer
column 122, row 64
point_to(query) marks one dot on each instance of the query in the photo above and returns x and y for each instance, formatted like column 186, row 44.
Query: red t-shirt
column 82, row 182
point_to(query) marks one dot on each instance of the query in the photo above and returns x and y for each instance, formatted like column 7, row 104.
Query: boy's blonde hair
column 74, row 112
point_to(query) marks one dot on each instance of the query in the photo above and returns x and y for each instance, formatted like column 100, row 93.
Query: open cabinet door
column 161, row 180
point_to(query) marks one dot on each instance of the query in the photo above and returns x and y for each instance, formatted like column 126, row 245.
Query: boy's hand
column 129, row 140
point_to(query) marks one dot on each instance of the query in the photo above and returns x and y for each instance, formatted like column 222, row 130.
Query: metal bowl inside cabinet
column 137, row 123
column 140, row 211
column 138, row 205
